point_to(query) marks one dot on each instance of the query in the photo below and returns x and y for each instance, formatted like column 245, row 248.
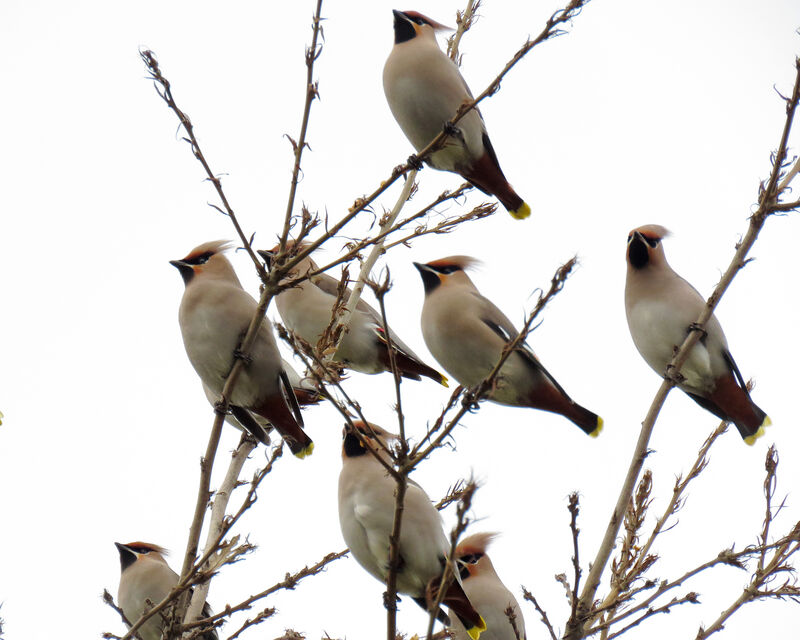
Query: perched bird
column 424, row 89
column 485, row 590
column 214, row 315
column 306, row 310
column 305, row 392
column 661, row 307
column 366, row 514
column 147, row 576
column 467, row 333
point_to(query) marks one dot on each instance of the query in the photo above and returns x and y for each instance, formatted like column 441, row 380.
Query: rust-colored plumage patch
column 461, row 262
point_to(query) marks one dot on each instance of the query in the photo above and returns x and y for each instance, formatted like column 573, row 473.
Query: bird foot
column 451, row 130
column 414, row 162
column 697, row 327
column 238, row 354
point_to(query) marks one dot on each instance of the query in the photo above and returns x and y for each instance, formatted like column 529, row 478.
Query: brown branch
column 312, row 53
column 164, row 90
column 545, row 620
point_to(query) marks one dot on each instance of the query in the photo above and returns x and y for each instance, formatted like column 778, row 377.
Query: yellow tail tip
column 475, row 632
column 303, row 453
column 751, row 440
column 443, row 382
column 521, row 212
column 2, row 416
column 598, row 428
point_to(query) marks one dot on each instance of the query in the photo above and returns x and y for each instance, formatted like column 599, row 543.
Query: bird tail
column 732, row 403
column 551, row 397
column 409, row 366
column 278, row 413
column 459, row 604
column 486, row 174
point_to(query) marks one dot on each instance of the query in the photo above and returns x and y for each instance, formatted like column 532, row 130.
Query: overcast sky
column 647, row 112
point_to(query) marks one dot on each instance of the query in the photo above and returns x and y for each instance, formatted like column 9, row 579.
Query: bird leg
column 696, row 327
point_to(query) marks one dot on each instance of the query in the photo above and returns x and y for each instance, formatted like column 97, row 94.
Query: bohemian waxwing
column 304, row 390
column 467, row 333
column 147, row 576
column 485, row 590
column 660, row 307
column 214, row 315
column 424, row 89
column 306, row 311
column 366, row 514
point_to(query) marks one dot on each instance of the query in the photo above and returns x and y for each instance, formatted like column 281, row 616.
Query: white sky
column 646, row 112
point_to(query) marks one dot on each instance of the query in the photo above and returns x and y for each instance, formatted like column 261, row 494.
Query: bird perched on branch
column 424, row 89
column 467, row 334
column 486, row 592
column 306, row 310
column 147, row 576
column 662, row 309
column 214, row 315
column 366, row 514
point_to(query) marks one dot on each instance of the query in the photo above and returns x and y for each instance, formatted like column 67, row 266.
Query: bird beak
column 186, row 270
column 268, row 257
column 430, row 279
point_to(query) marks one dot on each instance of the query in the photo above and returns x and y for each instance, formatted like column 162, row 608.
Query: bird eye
column 201, row 259
column 471, row 558
column 653, row 242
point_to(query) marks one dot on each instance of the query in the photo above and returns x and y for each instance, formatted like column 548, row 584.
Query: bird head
column 445, row 271
column 644, row 246
column 410, row 24
column 471, row 554
column 207, row 259
column 372, row 437
column 133, row 551
column 292, row 248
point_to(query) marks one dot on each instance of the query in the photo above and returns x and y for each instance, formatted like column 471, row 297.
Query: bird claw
column 238, row 354
column 697, row 327
column 451, row 130
column 414, row 162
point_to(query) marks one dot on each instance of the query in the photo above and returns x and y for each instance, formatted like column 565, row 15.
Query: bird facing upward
column 424, row 89
column 487, row 592
column 660, row 307
column 366, row 515
column 214, row 315
column 467, row 333
column 145, row 575
column 306, row 310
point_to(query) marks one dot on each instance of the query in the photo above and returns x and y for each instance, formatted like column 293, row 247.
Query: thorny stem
column 312, row 53
column 767, row 202
column 164, row 89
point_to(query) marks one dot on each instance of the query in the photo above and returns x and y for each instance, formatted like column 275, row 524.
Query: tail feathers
column 410, row 367
column 551, row 397
column 459, row 604
column 732, row 403
column 486, row 174
column 278, row 413
column 250, row 424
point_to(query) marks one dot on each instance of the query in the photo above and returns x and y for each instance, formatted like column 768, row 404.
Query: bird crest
column 416, row 16
column 146, row 547
column 461, row 263
column 652, row 231
column 476, row 544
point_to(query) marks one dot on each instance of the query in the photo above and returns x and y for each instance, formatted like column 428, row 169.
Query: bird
column 661, row 308
column 214, row 315
column 424, row 89
column 366, row 515
column 306, row 310
column 147, row 576
column 466, row 334
column 305, row 392
column 485, row 590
